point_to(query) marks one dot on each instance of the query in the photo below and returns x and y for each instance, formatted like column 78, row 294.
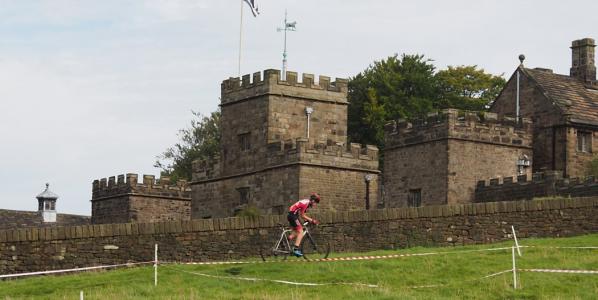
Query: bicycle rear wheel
column 313, row 251
column 279, row 252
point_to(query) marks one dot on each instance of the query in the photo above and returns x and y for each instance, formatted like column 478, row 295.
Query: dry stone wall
column 37, row 249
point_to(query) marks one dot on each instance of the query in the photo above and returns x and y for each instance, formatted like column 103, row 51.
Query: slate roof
column 47, row 194
column 576, row 98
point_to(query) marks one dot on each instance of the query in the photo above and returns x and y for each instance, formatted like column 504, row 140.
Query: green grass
column 459, row 272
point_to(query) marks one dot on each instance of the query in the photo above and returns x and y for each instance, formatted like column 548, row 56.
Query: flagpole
column 240, row 38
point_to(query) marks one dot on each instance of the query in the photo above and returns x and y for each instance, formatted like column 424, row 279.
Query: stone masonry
column 116, row 200
column 280, row 141
column 439, row 160
column 563, row 109
column 13, row 219
column 542, row 184
column 38, row 249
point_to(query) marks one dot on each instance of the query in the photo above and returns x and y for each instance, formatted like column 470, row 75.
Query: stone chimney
column 582, row 65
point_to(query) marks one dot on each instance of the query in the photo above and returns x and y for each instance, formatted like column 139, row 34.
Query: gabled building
column 563, row 109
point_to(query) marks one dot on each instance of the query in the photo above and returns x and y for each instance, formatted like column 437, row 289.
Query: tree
column 393, row 88
column 200, row 141
column 408, row 87
column 468, row 88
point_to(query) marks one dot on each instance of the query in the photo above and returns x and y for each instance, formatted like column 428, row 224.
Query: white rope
column 560, row 271
column 447, row 284
column 73, row 270
column 276, row 280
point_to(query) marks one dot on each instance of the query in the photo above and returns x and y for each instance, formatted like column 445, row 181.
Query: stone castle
column 284, row 138
column 281, row 140
column 452, row 178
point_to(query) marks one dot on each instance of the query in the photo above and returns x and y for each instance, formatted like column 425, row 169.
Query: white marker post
column 514, row 270
column 81, row 296
column 156, row 265
column 516, row 242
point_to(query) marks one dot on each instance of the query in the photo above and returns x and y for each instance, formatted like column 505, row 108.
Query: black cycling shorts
column 294, row 221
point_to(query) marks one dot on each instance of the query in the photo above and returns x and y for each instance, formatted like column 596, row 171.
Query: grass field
column 459, row 273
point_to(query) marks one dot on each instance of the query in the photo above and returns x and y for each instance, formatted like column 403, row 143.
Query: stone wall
column 123, row 199
column 423, row 167
column 578, row 162
column 12, row 219
column 38, row 249
column 288, row 171
column 542, row 184
column 271, row 191
column 294, row 172
column 443, row 156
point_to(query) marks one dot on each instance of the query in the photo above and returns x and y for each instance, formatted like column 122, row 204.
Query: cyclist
column 298, row 210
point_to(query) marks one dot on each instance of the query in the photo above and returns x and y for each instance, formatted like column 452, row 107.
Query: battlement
column 542, row 184
column 235, row 88
column 301, row 150
column 305, row 150
column 465, row 125
column 150, row 186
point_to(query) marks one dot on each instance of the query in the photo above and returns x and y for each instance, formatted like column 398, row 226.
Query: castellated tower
column 281, row 140
column 439, row 160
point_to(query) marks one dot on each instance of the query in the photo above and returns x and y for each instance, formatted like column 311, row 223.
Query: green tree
column 200, row 141
column 468, row 88
column 396, row 87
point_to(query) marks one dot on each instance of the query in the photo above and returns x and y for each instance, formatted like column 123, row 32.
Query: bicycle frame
column 283, row 243
column 283, row 246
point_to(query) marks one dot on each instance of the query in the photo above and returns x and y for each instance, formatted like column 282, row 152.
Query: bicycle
column 282, row 248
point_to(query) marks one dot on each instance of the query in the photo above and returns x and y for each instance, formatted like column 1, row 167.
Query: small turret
column 47, row 205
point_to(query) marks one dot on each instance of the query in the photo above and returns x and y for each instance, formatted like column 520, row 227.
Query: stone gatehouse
column 281, row 140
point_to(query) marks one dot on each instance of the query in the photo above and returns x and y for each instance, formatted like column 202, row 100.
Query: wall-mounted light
column 522, row 163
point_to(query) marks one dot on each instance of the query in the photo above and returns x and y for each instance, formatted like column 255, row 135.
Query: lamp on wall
column 522, row 163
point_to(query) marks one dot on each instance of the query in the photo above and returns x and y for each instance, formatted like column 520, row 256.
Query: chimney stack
column 582, row 65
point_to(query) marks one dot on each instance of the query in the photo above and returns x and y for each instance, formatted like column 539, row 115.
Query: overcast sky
column 92, row 89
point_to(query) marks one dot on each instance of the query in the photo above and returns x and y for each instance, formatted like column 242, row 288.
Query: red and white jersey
column 300, row 207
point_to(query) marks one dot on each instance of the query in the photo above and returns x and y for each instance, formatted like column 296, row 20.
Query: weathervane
column 288, row 26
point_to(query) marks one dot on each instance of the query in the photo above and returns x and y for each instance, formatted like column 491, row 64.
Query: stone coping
column 269, row 221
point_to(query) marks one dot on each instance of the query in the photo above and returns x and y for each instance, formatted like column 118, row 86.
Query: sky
column 92, row 89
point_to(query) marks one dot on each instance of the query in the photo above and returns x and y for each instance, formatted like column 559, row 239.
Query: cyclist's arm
column 306, row 218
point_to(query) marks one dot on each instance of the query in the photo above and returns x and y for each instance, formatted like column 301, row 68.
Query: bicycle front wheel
column 313, row 251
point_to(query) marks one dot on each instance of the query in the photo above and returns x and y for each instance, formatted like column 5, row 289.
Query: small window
column 244, row 142
column 584, row 141
column 414, row 199
column 243, row 195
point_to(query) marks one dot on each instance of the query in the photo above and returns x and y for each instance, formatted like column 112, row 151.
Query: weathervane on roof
column 288, row 26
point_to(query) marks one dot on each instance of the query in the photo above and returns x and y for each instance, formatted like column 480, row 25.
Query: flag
column 254, row 9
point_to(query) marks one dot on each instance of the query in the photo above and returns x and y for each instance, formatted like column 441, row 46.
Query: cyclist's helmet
column 314, row 197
